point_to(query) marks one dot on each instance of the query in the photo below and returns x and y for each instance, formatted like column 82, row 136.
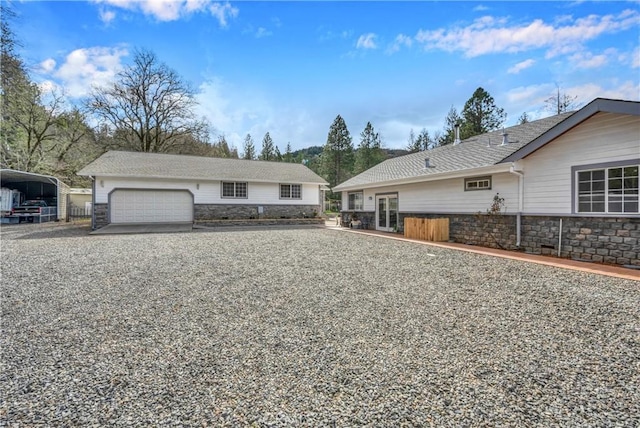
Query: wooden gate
column 427, row 229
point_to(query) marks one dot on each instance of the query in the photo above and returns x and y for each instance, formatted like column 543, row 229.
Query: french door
column 387, row 213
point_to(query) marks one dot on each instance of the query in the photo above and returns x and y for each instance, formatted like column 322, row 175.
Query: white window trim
column 290, row 191
column 600, row 167
column 477, row 180
column 235, row 190
column 361, row 192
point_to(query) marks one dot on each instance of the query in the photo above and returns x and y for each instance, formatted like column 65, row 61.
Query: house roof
column 157, row 165
column 475, row 152
column 482, row 151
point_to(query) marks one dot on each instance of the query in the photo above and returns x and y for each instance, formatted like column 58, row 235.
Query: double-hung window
column 291, row 191
column 608, row 190
column 356, row 201
column 233, row 189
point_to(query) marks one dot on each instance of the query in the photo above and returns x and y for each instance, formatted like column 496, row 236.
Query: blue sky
column 288, row 68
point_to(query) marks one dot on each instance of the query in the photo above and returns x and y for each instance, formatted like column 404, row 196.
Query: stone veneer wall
column 600, row 239
column 100, row 212
column 366, row 217
column 204, row 212
column 221, row 212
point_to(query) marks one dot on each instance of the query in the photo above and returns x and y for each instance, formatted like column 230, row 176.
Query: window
column 477, row 183
column 290, row 191
column 234, row 190
column 608, row 190
column 356, row 201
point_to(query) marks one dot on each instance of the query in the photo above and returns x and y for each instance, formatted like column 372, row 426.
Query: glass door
column 387, row 213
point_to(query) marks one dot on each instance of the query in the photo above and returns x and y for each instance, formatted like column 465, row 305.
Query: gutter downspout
column 520, row 175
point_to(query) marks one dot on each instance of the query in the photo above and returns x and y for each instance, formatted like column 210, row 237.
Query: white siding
column 446, row 196
column 605, row 137
column 209, row 192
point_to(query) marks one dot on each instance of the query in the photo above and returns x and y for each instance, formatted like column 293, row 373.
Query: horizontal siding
column 446, row 196
column 209, row 192
column 605, row 137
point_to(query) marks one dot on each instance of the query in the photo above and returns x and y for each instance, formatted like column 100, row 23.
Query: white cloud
column 223, row 12
column 263, row 32
column 635, row 61
column 47, row 66
column 488, row 34
column 170, row 10
column 235, row 112
column 480, row 8
column 107, row 16
column 84, row 68
column 589, row 60
column 521, row 66
column 400, row 41
column 366, row 41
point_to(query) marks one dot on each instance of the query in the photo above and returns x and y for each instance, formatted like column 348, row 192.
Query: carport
column 37, row 186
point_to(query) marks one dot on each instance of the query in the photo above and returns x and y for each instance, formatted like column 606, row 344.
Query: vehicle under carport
column 31, row 186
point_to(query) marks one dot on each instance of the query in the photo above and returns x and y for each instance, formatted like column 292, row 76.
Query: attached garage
column 150, row 206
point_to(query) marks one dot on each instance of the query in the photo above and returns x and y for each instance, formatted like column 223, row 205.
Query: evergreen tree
column 337, row 156
column 249, row 148
column 448, row 134
column 412, row 147
column 480, row 115
column 424, row 141
column 268, row 152
column 277, row 156
column 369, row 151
column 288, row 156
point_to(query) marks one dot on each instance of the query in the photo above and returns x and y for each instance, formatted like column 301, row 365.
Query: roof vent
column 427, row 163
column 505, row 138
column 457, row 131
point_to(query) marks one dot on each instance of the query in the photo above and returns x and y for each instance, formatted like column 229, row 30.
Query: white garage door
column 151, row 206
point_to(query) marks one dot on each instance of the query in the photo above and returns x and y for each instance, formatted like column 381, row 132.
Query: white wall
column 605, row 137
column 446, row 196
column 209, row 192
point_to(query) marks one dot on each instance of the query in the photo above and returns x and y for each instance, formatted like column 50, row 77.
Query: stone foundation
column 100, row 212
column 204, row 212
column 367, row 219
column 598, row 239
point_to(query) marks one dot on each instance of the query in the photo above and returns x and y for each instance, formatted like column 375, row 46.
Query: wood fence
column 427, row 229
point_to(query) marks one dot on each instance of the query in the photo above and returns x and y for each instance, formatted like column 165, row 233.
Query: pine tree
column 369, row 152
column 267, row 152
column 448, row 134
column 288, row 156
column 337, row 156
column 412, row 146
column 277, row 156
column 424, row 141
column 480, row 115
column 249, row 148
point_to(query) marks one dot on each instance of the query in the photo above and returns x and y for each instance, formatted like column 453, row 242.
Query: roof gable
column 596, row 106
column 157, row 165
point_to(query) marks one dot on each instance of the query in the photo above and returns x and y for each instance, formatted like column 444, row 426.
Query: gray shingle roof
column 475, row 152
column 156, row 165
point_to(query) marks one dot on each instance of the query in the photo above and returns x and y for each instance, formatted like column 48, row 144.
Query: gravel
column 305, row 327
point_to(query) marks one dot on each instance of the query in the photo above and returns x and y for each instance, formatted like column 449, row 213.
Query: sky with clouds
column 289, row 68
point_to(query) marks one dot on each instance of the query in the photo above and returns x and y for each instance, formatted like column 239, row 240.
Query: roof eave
column 190, row 178
column 490, row 169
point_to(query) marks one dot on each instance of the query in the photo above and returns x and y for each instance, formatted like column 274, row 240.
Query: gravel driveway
column 305, row 327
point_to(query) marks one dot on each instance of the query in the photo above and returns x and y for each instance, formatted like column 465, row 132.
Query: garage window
column 290, row 191
column 232, row 189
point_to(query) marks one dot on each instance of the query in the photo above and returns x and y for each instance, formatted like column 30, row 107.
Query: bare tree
column 148, row 107
column 561, row 102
